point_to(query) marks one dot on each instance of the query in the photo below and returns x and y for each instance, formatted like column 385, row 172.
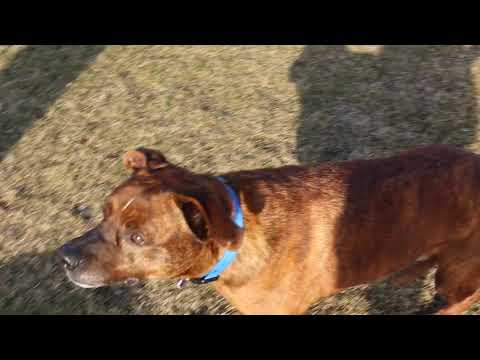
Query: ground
column 67, row 113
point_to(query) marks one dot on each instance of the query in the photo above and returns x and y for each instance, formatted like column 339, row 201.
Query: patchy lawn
column 68, row 112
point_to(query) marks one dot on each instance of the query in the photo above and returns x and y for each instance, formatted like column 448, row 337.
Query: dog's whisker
column 128, row 204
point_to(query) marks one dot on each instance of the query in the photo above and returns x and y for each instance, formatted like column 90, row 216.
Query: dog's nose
column 71, row 262
column 70, row 258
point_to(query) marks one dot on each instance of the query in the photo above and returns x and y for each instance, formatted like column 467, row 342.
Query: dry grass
column 68, row 112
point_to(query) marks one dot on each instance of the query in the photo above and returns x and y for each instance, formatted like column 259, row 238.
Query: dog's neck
column 251, row 259
column 259, row 241
column 254, row 251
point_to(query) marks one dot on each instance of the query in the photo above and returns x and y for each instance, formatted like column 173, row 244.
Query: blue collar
column 228, row 256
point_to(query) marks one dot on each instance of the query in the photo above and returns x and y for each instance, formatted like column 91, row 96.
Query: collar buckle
column 204, row 280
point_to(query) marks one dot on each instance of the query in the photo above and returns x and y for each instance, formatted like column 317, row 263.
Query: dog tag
column 181, row 283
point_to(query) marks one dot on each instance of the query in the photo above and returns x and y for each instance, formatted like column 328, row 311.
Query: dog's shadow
column 363, row 102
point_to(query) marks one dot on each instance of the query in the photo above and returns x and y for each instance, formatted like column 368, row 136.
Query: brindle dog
column 310, row 231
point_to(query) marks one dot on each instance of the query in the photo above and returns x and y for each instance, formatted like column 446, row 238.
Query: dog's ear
column 209, row 216
column 143, row 158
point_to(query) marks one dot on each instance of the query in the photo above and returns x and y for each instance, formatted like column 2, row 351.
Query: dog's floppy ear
column 209, row 216
column 143, row 158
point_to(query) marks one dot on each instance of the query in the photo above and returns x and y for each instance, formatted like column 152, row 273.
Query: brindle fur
column 310, row 231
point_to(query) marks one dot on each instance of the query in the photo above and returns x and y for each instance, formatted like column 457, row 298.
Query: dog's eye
column 137, row 238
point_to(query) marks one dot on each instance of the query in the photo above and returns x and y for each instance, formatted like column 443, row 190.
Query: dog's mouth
column 85, row 285
column 131, row 281
column 81, row 283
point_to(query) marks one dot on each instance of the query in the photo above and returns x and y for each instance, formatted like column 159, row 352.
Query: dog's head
column 163, row 222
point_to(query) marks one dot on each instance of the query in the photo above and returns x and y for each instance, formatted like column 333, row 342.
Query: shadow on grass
column 358, row 105
column 34, row 283
column 34, row 79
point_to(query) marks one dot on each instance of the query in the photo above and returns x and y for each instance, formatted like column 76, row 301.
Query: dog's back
column 410, row 206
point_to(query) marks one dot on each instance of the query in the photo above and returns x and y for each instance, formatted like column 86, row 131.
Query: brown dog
column 309, row 231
